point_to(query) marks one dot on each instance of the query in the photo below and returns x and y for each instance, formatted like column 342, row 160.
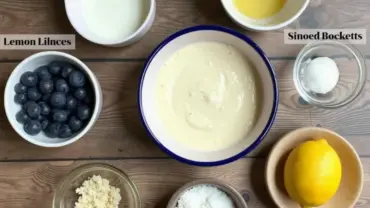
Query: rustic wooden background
column 29, row 174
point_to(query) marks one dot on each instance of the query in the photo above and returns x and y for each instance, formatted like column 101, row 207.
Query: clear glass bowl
column 352, row 73
column 65, row 195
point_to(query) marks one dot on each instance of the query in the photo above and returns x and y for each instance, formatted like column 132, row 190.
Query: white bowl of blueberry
column 52, row 99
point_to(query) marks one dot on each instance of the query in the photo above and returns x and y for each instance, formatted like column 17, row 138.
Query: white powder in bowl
column 96, row 192
column 205, row 196
column 321, row 75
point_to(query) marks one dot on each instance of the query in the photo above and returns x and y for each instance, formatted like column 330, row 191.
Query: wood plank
column 48, row 16
column 32, row 185
column 125, row 136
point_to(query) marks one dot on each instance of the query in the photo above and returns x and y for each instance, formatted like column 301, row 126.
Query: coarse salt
column 321, row 75
column 205, row 196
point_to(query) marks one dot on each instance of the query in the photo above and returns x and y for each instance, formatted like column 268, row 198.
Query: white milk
column 114, row 20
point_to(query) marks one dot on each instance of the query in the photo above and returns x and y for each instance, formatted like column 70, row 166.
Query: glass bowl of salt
column 329, row 74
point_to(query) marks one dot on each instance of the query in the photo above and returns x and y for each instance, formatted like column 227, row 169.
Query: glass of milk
column 111, row 22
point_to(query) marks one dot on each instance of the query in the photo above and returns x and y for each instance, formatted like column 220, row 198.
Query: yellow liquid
column 259, row 9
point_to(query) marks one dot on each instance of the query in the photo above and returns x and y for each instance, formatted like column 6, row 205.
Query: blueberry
column 44, row 124
column 29, row 79
column 83, row 112
column 33, row 110
column 80, row 93
column 58, row 99
column 41, row 118
column 33, row 94
column 65, row 131
column 20, row 98
column 88, row 99
column 61, row 86
column 76, row 79
column 46, row 86
column 20, row 88
column 43, row 73
column 67, row 70
column 45, row 108
column 52, row 130
column 32, row 127
column 71, row 102
column 60, row 116
column 74, row 123
column 55, row 67
column 22, row 116
column 26, row 104
column 46, row 97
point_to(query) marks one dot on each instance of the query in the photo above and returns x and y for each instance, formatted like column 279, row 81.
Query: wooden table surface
column 29, row 174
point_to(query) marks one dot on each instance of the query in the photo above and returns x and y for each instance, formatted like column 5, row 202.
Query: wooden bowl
column 235, row 196
column 352, row 175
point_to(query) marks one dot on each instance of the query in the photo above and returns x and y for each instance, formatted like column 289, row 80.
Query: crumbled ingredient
column 205, row 196
column 96, row 192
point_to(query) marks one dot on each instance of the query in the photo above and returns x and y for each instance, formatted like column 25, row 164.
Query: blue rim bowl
column 261, row 54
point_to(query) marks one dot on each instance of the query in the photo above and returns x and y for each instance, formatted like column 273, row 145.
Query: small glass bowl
column 352, row 73
column 65, row 195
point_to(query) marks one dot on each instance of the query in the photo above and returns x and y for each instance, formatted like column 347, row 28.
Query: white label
column 37, row 42
column 305, row 36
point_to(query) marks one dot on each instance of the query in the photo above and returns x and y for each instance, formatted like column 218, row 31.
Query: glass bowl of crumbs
column 96, row 185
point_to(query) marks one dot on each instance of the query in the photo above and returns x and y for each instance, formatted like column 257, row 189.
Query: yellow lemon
column 312, row 173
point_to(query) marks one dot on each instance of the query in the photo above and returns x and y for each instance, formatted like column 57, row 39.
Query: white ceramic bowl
column 30, row 64
column 76, row 18
column 268, row 84
column 289, row 13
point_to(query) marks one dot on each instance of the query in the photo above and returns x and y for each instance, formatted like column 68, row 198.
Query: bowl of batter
column 208, row 95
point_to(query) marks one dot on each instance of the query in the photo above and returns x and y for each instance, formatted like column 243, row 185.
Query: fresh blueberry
column 46, row 86
column 74, row 123
column 67, row 70
column 61, row 86
column 71, row 102
column 26, row 104
column 20, row 98
column 65, row 131
column 41, row 118
column 80, row 93
column 88, row 99
column 58, row 100
column 20, row 88
column 22, row 116
column 45, row 108
column 52, row 130
column 43, row 73
column 44, row 124
column 55, row 67
column 76, row 79
column 69, row 112
column 46, row 97
column 29, row 79
column 32, row 127
column 83, row 112
column 33, row 110
column 33, row 94
column 60, row 116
